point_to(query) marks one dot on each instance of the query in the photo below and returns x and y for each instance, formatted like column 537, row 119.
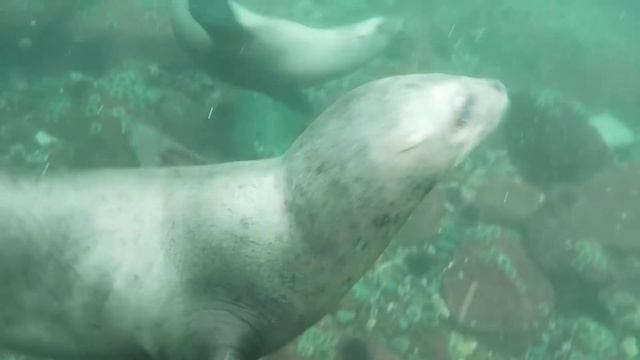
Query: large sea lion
column 270, row 55
column 231, row 261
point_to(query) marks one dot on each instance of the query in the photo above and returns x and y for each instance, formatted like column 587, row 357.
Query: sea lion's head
column 370, row 158
column 354, row 176
column 443, row 115
column 407, row 126
column 381, row 28
column 358, row 43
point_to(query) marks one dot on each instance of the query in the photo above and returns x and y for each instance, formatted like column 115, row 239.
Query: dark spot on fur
column 339, row 188
column 363, row 246
column 320, row 168
column 357, row 241
column 359, row 180
column 342, row 261
column 428, row 189
column 289, row 279
column 411, row 86
column 381, row 220
column 246, row 222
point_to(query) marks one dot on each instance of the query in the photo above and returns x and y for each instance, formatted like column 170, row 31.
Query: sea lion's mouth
column 410, row 148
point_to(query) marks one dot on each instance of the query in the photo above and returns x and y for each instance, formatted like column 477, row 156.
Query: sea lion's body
column 115, row 246
column 274, row 56
column 228, row 262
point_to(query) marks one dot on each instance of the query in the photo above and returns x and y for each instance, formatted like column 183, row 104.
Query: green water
column 529, row 250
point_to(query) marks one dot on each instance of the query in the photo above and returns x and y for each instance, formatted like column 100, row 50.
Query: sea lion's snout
column 503, row 93
column 461, row 112
column 494, row 101
column 391, row 25
column 384, row 28
column 497, row 85
column 490, row 103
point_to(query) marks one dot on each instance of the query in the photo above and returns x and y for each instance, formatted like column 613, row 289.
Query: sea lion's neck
column 347, row 215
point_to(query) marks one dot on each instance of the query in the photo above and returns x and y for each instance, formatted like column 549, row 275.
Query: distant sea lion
column 271, row 55
column 231, row 261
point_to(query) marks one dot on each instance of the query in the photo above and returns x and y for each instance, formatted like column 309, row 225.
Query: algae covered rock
column 608, row 208
column 579, row 232
column 494, row 290
column 424, row 222
column 506, row 200
column 579, row 338
column 622, row 302
column 361, row 348
column 554, row 143
column 23, row 22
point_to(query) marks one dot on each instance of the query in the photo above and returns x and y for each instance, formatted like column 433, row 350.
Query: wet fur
column 223, row 262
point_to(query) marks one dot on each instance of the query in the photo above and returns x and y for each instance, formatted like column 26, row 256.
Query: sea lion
column 230, row 261
column 274, row 56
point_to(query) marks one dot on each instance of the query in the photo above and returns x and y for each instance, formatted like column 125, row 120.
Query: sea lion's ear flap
column 219, row 21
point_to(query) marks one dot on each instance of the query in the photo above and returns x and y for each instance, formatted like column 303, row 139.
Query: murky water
column 529, row 250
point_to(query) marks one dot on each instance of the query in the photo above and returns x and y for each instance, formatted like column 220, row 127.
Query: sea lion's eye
column 464, row 114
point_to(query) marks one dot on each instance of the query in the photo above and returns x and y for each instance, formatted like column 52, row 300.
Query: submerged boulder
column 495, row 291
column 506, row 200
column 582, row 225
column 22, row 23
column 553, row 144
column 424, row 223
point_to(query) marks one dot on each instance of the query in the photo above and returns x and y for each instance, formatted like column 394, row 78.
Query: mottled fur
column 232, row 261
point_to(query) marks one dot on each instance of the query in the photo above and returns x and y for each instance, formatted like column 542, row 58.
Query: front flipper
column 219, row 21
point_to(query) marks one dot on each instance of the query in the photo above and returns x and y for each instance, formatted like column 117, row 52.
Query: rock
column 495, row 291
column 578, row 232
column 86, row 35
column 347, row 347
column 553, row 144
column 622, row 301
column 345, row 317
column 362, row 348
column 153, row 148
column 140, row 19
column 25, row 21
column 615, row 132
column 505, row 200
column 34, row 37
column 129, row 29
column 608, row 208
column 435, row 342
column 629, row 347
column 578, row 338
column 288, row 352
column 558, row 249
column 186, row 120
column 588, row 240
column 424, row 223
